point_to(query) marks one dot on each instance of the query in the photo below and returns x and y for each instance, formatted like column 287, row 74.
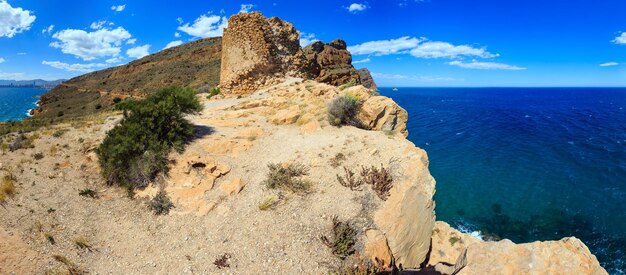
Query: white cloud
column 180, row 20
column 83, row 68
column 386, row 47
column 621, row 39
column 609, row 64
column 2, row 60
column 173, row 44
column 12, row 76
column 98, row 24
column 307, row 38
column 139, row 52
column 131, row 41
column 47, row 30
column 245, row 8
column 485, row 65
column 91, row 45
column 437, row 49
column 118, row 8
column 361, row 61
column 21, row 53
column 177, row 34
column 113, row 60
column 356, row 7
column 205, row 26
column 14, row 20
column 418, row 78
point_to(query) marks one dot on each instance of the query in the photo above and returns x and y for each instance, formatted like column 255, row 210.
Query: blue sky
column 403, row 42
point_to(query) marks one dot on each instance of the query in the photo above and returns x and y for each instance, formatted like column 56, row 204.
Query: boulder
column 566, row 256
column 383, row 114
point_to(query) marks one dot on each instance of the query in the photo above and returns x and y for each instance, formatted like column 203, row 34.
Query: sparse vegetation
column 161, row 203
column 222, row 261
column 343, row 110
column 136, row 150
column 453, row 240
column 88, row 193
column 83, row 243
column 38, row 156
column 215, row 91
column 353, row 82
column 72, row 268
column 59, row 133
column 342, row 240
column 268, row 202
column 380, row 180
column 288, row 177
column 337, row 160
column 7, row 187
column 21, row 142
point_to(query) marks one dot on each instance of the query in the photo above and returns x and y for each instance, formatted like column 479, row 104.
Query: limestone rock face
column 383, row 114
column 566, row 256
column 407, row 218
column 367, row 80
column 260, row 52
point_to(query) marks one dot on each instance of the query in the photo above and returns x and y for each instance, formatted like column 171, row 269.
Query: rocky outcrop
column 260, row 52
column 331, row 63
column 383, row 114
column 454, row 252
column 367, row 80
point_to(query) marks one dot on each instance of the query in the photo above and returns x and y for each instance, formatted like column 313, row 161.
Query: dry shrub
column 380, row 180
column 342, row 240
column 288, row 177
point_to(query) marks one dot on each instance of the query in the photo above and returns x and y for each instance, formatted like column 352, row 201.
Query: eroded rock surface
column 259, row 52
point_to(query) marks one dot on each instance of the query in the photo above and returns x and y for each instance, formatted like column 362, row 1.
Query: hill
column 195, row 64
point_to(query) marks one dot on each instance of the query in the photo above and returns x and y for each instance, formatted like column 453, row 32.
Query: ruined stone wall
column 259, row 52
column 256, row 52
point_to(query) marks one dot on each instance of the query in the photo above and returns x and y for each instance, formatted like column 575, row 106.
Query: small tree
column 136, row 150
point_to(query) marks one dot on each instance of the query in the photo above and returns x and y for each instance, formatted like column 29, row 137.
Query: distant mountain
column 195, row 64
column 32, row 83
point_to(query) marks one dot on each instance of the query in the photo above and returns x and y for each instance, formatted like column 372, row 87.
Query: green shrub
column 215, row 91
column 136, row 150
column 343, row 110
column 287, row 177
column 60, row 114
column 117, row 100
column 161, row 203
column 342, row 240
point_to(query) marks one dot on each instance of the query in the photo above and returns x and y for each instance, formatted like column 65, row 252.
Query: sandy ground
column 240, row 134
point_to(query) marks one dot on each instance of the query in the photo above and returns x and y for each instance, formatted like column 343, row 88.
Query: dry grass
column 7, row 187
column 337, row 160
column 72, row 269
column 83, row 243
column 268, row 202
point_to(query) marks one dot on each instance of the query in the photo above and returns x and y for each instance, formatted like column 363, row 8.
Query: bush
column 161, row 203
column 38, row 156
column 136, row 150
column 287, row 177
column 215, row 91
column 117, row 100
column 21, row 142
column 88, row 193
column 342, row 240
column 343, row 110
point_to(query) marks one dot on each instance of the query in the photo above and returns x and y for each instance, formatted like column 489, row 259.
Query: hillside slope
column 195, row 64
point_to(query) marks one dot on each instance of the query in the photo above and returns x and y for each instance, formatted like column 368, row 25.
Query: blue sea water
column 15, row 103
column 527, row 164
